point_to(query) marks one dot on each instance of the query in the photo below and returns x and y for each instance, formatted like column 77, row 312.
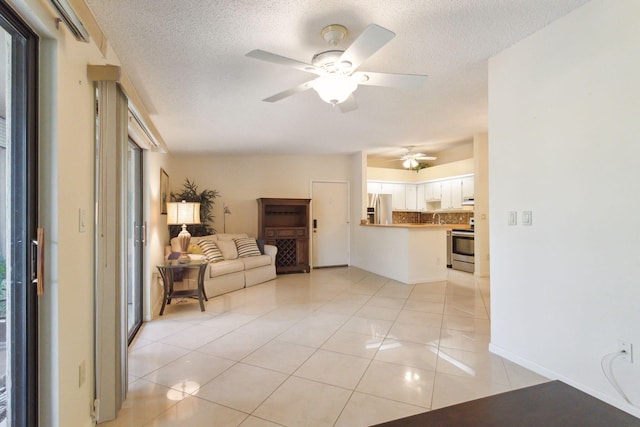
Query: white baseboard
column 540, row 370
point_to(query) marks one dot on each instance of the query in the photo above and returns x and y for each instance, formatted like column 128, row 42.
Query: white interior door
column 330, row 224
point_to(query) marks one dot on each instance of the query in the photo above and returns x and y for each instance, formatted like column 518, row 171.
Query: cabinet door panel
column 446, row 195
column 467, row 187
column 399, row 197
column 410, row 196
column 434, row 191
column 420, row 197
column 386, row 188
column 456, row 194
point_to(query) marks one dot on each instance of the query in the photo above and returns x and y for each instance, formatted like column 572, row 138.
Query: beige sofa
column 233, row 273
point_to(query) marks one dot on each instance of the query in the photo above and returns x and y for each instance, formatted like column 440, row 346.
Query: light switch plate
column 513, row 218
column 527, row 218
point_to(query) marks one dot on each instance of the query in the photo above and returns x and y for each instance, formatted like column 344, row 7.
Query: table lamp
column 183, row 213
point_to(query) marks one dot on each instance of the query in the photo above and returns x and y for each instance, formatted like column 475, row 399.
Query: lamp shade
column 334, row 90
column 183, row 213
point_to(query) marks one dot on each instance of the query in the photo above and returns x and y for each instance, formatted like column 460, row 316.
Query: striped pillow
column 210, row 250
column 247, row 246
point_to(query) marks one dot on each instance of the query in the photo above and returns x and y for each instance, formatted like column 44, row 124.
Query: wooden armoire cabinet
column 284, row 223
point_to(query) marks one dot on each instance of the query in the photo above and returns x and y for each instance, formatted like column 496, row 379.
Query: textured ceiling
column 187, row 60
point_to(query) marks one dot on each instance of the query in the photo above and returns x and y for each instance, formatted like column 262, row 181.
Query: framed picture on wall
column 164, row 191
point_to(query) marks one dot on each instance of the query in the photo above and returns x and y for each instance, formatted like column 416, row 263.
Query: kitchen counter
column 421, row 225
column 408, row 253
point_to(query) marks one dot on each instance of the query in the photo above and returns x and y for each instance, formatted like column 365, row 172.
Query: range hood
column 468, row 201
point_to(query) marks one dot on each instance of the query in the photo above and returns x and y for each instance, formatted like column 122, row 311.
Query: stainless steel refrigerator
column 382, row 209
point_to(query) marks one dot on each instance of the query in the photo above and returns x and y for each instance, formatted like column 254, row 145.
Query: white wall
column 481, row 208
column 243, row 179
column 158, row 232
column 460, row 167
column 66, row 184
column 563, row 142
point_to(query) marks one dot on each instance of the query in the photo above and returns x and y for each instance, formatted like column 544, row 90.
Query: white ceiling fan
column 411, row 159
column 336, row 70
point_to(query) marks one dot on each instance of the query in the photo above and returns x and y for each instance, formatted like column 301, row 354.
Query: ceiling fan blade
column 368, row 43
column 283, row 60
column 349, row 104
column 289, row 92
column 425, row 158
column 402, row 81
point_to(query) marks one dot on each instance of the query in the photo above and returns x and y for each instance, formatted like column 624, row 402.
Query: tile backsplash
column 400, row 217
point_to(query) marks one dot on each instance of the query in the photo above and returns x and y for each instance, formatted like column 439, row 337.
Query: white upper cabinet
column 421, row 198
column 387, row 188
column 378, row 187
column 373, row 187
column 456, row 194
column 398, row 201
column 433, row 191
column 443, row 194
column 411, row 191
column 467, row 187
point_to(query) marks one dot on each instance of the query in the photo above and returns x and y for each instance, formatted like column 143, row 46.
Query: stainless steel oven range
column 462, row 250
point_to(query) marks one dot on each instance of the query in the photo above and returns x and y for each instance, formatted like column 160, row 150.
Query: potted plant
column 206, row 198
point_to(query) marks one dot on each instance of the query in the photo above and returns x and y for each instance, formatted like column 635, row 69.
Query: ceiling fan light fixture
column 410, row 163
column 334, row 90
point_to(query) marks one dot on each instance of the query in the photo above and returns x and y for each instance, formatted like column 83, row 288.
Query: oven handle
column 462, row 234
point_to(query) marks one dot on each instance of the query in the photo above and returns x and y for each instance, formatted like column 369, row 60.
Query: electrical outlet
column 626, row 349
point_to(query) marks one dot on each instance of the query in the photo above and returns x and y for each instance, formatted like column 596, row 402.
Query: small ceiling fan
column 411, row 159
column 336, row 70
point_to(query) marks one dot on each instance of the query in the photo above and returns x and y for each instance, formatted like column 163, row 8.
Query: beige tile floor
column 336, row 347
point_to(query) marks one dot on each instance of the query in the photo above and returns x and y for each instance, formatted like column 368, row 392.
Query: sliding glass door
column 18, row 196
column 136, row 233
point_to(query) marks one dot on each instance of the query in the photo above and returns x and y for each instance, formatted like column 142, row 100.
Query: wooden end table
column 168, row 271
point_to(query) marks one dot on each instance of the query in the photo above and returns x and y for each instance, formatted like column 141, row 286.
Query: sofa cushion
column 210, row 250
column 225, row 267
column 256, row 261
column 247, row 247
column 229, row 237
column 228, row 249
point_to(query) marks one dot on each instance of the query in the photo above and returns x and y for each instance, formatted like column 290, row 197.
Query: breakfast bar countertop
column 422, row 225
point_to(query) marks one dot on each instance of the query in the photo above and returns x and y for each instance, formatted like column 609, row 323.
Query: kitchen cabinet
column 411, row 191
column 452, row 194
column 467, row 187
column 421, row 197
column 378, row 187
column 373, row 187
column 399, row 197
column 441, row 195
column 433, row 191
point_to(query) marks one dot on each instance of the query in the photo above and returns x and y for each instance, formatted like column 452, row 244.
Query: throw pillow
column 260, row 243
column 228, row 249
column 195, row 249
column 247, row 247
column 210, row 250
